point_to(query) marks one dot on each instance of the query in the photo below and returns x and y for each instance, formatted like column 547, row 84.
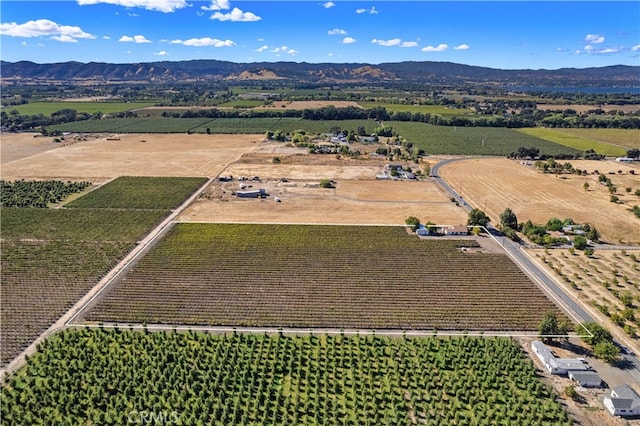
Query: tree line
column 526, row 117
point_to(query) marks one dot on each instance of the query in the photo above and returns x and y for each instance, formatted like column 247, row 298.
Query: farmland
column 47, row 108
column 140, row 193
column 580, row 143
column 627, row 138
column 52, row 257
column 436, row 140
column 322, row 276
column 112, row 376
column 607, row 280
column 106, row 156
column 493, row 184
column 451, row 140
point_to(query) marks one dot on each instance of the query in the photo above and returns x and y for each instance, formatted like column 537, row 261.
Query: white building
column 559, row 366
column 623, row 401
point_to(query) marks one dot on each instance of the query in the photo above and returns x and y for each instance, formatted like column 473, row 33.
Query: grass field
column 51, row 258
column 581, row 143
column 47, row 108
column 626, row 138
column 472, row 140
column 116, row 376
column 322, row 276
column 140, row 193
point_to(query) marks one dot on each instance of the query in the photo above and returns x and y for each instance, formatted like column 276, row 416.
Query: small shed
column 586, row 379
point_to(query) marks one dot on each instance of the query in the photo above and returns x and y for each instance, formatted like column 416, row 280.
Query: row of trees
column 596, row 336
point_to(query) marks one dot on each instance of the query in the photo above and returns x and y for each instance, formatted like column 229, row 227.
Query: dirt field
column 365, row 202
column 124, row 155
column 493, row 184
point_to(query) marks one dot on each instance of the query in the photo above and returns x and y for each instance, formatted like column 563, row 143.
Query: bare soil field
column 493, row 184
column 585, row 108
column 15, row 146
column 122, row 155
column 366, row 202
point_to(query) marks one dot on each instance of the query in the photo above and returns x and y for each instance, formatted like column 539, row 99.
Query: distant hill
column 329, row 73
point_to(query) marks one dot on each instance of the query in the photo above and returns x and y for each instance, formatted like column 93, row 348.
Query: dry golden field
column 110, row 156
column 493, row 184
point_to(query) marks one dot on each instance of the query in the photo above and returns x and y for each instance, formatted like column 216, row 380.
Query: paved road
column 544, row 281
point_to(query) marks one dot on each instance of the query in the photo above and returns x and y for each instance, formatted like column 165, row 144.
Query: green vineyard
column 112, row 377
column 322, row 276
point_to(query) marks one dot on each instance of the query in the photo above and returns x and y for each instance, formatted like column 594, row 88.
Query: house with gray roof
column 623, row 401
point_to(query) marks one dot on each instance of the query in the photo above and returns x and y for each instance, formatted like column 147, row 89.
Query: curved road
column 544, row 281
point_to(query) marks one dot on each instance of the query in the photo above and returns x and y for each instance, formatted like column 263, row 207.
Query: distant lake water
column 604, row 90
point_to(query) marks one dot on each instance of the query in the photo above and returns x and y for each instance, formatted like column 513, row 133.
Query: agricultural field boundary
column 144, row 245
column 307, row 331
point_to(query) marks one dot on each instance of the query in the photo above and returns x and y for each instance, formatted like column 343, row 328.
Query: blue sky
column 502, row 34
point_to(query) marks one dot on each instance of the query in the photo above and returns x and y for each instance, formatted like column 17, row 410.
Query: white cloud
column 262, row 48
column 236, row 15
column 217, row 5
column 161, row 53
column 135, row 39
column 284, row 49
column 635, row 48
column 328, row 5
column 462, row 47
column 604, row 51
column 439, row 48
column 392, row 42
column 204, row 42
column 65, row 39
column 348, row 40
column 44, row 28
column 165, row 6
column 409, row 44
column 372, row 11
column 106, row 38
column 594, row 38
column 337, row 31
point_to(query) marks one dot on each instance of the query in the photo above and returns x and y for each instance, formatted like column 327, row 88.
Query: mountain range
column 318, row 73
